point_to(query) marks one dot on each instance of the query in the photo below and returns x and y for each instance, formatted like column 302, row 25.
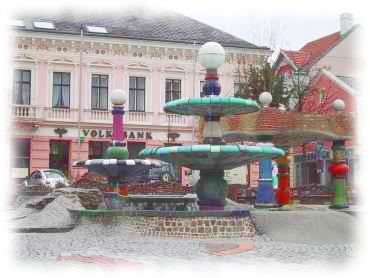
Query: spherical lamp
column 118, row 97
column 339, row 105
column 265, row 99
column 211, row 55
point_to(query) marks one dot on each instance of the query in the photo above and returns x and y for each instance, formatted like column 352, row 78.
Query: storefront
column 21, row 153
column 57, row 148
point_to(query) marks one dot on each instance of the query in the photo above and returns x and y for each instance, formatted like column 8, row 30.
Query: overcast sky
column 280, row 23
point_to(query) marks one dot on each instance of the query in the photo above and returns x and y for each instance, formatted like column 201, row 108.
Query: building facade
column 331, row 67
column 66, row 66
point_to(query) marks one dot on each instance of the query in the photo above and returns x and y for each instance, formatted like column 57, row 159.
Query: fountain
column 212, row 156
column 115, row 165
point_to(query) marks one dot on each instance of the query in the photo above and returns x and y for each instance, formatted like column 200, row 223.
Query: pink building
column 66, row 66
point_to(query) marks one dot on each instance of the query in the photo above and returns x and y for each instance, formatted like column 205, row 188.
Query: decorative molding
column 62, row 60
column 101, row 63
column 174, row 68
column 137, row 66
column 24, row 58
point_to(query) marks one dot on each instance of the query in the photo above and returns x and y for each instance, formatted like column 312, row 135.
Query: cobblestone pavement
column 118, row 241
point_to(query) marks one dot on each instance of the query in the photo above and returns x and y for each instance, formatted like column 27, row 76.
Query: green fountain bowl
column 206, row 156
column 211, row 105
column 116, row 152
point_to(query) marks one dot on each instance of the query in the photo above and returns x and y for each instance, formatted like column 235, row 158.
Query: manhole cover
column 222, row 249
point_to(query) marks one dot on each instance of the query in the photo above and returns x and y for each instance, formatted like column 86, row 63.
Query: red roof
column 313, row 50
column 299, row 58
column 316, row 48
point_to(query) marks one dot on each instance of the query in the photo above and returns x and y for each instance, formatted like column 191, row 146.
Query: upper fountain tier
column 211, row 106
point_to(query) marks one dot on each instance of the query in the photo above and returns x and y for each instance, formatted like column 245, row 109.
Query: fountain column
column 117, row 150
column 339, row 168
column 283, row 196
column 265, row 195
column 211, row 187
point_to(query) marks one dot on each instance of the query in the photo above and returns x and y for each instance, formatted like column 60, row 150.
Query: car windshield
column 53, row 175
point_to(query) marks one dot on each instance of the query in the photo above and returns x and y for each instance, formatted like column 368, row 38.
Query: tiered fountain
column 116, row 166
column 213, row 156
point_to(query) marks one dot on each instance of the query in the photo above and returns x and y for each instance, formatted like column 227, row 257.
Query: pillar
column 283, row 195
column 339, row 170
column 265, row 196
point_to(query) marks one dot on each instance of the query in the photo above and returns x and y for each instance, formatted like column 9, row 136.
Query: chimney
column 346, row 22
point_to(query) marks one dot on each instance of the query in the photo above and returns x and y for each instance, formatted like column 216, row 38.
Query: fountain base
column 211, row 189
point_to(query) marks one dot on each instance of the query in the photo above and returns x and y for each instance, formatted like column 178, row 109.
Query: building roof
column 134, row 23
column 314, row 50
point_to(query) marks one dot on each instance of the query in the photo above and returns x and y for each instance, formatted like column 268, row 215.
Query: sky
column 281, row 23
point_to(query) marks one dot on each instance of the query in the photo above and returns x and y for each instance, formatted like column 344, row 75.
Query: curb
column 45, row 229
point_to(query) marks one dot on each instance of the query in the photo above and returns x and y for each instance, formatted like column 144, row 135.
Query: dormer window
column 96, row 29
column 17, row 23
column 43, row 25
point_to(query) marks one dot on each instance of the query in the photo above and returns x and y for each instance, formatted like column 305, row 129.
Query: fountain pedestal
column 211, row 189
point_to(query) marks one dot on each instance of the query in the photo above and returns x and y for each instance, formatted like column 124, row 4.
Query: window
column 173, row 89
column 239, row 88
column 306, row 170
column 22, row 87
column 21, row 153
column 322, row 96
column 201, row 87
column 97, row 149
column 61, row 89
column 96, row 29
column 137, row 94
column 43, row 25
column 134, row 148
column 17, row 23
column 99, row 92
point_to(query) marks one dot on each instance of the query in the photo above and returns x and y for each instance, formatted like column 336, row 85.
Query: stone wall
column 187, row 227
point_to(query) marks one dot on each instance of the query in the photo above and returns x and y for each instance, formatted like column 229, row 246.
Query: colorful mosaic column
column 265, row 196
column 211, row 187
column 117, row 136
column 339, row 170
column 283, row 195
column 117, row 150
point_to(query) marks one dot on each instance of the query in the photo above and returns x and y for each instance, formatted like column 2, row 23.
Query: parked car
column 49, row 178
column 165, row 172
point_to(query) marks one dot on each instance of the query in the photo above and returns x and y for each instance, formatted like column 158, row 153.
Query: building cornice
column 66, row 44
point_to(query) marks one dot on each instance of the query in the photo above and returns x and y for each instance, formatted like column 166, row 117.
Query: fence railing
column 30, row 112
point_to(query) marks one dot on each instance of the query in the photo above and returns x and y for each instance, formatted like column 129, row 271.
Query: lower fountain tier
column 117, row 168
column 207, row 156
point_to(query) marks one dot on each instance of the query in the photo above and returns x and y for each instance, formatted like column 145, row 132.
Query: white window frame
column 73, row 97
column 147, row 74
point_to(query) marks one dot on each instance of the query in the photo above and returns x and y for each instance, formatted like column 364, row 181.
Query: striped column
column 283, row 195
column 339, row 170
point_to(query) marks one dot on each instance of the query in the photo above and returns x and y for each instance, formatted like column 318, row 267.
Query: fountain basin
column 207, row 156
column 117, row 167
column 211, row 105
column 229, row 223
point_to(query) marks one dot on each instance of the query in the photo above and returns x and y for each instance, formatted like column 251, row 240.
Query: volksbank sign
column 133, row 135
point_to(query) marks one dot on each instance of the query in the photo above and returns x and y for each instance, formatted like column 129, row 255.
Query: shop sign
column 130, row 135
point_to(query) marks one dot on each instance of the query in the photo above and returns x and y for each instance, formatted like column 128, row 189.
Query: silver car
column 48, row 177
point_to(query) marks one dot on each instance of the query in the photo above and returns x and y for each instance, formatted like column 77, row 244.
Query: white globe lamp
column 265, row 99
column 211, row 55
column 118, row 97
column 339, row 105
